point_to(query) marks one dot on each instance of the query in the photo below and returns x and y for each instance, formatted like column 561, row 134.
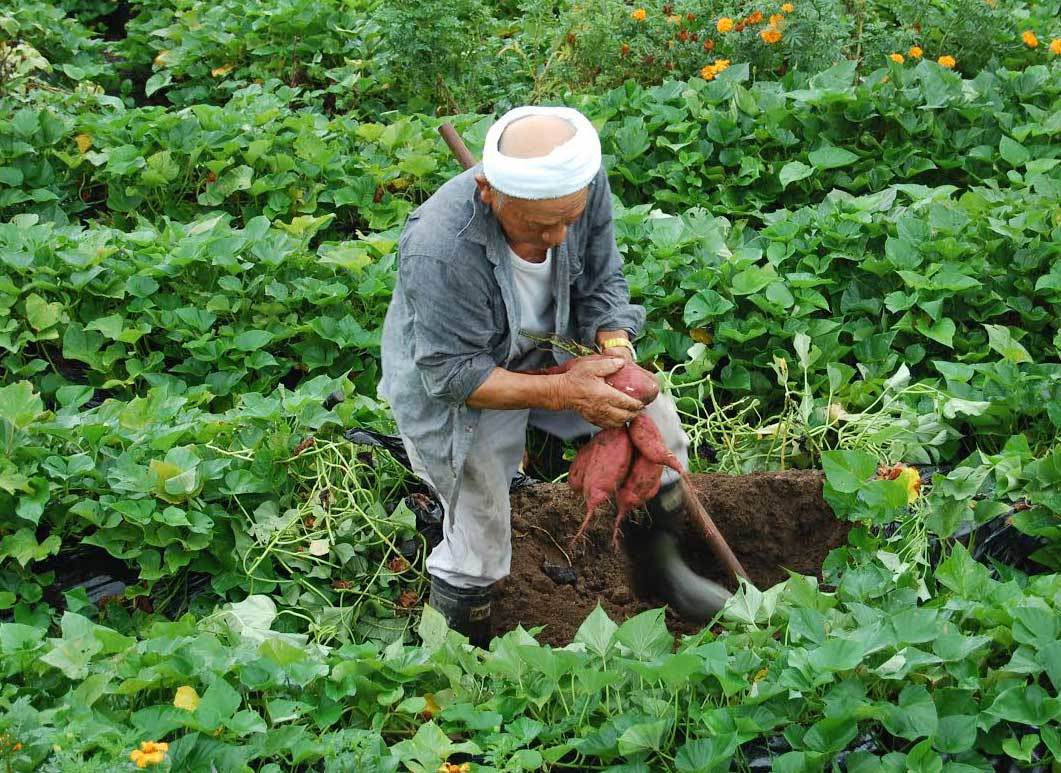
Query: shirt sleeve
column 601, row 296
column 453, row 326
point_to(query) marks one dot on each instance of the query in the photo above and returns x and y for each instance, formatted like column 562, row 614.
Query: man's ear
column 486, row 192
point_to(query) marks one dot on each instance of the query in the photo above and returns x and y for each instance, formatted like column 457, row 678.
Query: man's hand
column 584, row 390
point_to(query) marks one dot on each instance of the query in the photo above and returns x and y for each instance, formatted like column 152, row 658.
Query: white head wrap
column 568, row 168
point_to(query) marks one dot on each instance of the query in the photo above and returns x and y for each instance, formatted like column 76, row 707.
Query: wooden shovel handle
column 456, row 144
column 714, row 536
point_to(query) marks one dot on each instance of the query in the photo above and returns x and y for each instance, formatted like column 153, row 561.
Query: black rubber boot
column 467, row 610
column 667, row 509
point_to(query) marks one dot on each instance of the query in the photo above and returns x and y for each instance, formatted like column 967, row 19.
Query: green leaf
column 914, row 716
column 40, row 314
column 1013, row 152
column 218, row 704
column 646, row 635
column 644, row 736
column 1028, row 704
column 955, row 734
column 831, row 157
column 837, row 655
column 794, row 171
column 942, row 330
column 24, row 548
column 847, row 471
column 597, row 632
column 252, row 340
column 19, row 404
column 1001, row 340
column 751, row 280
column 705, row 306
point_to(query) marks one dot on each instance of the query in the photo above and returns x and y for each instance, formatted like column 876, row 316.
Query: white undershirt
column 534, row 291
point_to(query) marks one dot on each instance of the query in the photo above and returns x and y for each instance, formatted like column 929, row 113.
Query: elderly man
column 515, row 249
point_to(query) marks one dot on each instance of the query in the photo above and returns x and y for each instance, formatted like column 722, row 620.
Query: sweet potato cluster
column 624, row 463
column 621, row 463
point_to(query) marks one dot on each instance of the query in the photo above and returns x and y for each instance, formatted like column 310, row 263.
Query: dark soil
column 772, row 521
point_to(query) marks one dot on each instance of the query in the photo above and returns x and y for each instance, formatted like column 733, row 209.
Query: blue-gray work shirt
column 455, row 316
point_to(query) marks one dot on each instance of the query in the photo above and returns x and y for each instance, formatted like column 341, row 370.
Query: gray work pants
column 476, row 547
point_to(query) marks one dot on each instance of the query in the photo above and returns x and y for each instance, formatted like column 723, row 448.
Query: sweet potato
column 635, row 381
column 611, row 454
column 641, row 484
column 645, row 436
column 631, row 379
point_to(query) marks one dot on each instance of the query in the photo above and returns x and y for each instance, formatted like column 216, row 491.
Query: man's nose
column 555, row 235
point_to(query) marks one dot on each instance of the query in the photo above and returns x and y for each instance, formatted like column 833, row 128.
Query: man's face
column 538, row 224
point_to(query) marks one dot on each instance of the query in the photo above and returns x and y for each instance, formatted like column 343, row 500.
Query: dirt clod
column 772, row 521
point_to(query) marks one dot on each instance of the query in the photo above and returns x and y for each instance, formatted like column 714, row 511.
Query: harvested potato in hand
column 614, row 464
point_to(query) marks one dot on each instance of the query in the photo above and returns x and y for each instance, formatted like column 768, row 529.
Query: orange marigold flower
column 897, row 58
column 1055, row 46
column 709, row 45
column 915, row 52
column 788, row 8
column 770, row 36
column 947, row 61
column 755, row 17
column 1029, row 39
column 725, row 24
column 639, row 14
column 776, row 19
column 683, row 36
column 707, row 72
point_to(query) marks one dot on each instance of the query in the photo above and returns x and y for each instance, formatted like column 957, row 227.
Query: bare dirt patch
column 772, row 521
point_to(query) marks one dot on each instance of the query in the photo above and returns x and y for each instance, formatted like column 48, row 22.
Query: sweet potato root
column 645, row 436
column 605, row 469
column 641, row 484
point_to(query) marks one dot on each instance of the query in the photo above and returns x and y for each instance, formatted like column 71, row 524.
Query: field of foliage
column 843, row 218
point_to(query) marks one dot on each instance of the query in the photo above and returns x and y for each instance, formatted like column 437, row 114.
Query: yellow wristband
column 610, row 342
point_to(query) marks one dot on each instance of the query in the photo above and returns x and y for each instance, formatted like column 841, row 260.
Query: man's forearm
column 506, row 390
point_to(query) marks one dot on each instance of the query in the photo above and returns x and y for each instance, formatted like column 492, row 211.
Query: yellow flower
column 84, row 142
column 449, row 767
column 1029, row 39
column 911, row 479
column 915, row 52
column 1055, row 46
column 788, row 8
column 186, row 698
column 897, row 58
column 770, row 36
column 639, row 14
column 946, row 61
column 776, row 19
column 725, row 24
column 149, row 753
column 674, row 19
column 709, row 72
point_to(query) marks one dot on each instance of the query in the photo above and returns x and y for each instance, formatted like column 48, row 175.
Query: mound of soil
column 772, row 521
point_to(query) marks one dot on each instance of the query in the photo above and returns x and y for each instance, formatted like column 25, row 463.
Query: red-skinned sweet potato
column 641, row 484
column 605, row 470
column 635, row 381
column 645, row 436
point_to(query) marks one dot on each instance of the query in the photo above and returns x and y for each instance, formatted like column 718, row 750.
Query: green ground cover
column 848, row 261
